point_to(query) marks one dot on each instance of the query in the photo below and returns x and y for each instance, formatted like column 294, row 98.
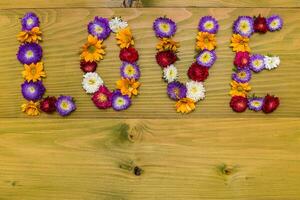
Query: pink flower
column 241, row 59
column 102, row 98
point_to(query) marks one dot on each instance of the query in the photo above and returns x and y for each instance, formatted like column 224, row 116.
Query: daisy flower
column 29, row 21
column 128, row 86
column 206, row 41
column 185, row 105
column 164, row 27
column 170, row 73
column 208, row 24
column 242, row 75
column 93, row 50
column 65, row 105
column 271, row 62
column 195, row 90
column 34, row 72
column 167, row 44
column 243, row 26
column 116, row 23
column 31, row 108
column 29, row 53
column 119, row 101
column 91, row 82
column 176, row 90
column 255, row 103
column 130, row 70
column 124, row 38
column 274, row 23
column 239, row 89
column 206, row 58
column 99, row 28
column 102, row 98
column 34, row 35
column 239, row 43
column 33, row 91
column 256, row 63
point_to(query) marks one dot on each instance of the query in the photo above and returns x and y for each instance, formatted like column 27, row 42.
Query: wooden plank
column 65, row 32
column 186, row 159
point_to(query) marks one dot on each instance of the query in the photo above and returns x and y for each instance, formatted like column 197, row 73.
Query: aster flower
column 185, row 105
column 102, row 98
column 256, row 63
column 270, row 103
column 208, row 24
column 195, row 90
column 238, row 103
column 164, row 27
column 167, row 44
column 88, row 66
column 65, row 105
column 128, row 86
column 93, row 50
column 34, row 35
column 29, row 53
column 242, row 75
column 260, row 25
column 176, row 90
column 124, row 38
column 166, row 58
column 91, row 82
column 242, row 59
column 34, row 72
column 239, row 89
column 243, row 26
column 116, row 23
column 130, row 70
column 99, row 28
column 255, row 103
column 29, row 21
column 239, row 43
column 33, row 91
column 197, row 72
column 274, row 23
column 206, row 58
column 271, row 62
column 47, row 105
column 206, row 40
column 31, row 108
column 129, row 54
column 119, row 101
column 170, row 73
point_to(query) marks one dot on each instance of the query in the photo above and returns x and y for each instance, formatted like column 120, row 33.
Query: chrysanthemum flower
column 99, row 28
column 166, row 58
column 116, row 24
column 29, row 21
column 256, row 63
column 34, row 35
column 176, row 90
column 130, row 70
column 88, row 66
column 129, row 55
column 260, row 25
column 239, row 43
column 271, row 62
column 242, row 75
column 206, row 40
column 65, row 105
column 270, row 103
column 93, row 50
column 33, row 91
column 164, row 27
column 166, row 44
column 243, row 26
column 91, row 82
column 242, row 59
column 197, row 72
column 31, row 108
column 274, row 23
column 208, row 24
column 185, row 105
column 29, row 53
column 124, row 38
column 255, row 103
column 238, row 103
column 206, row 58
column 47, row 105
column 195, row 90
column 239, row 89
column 128, row 86
column 170, row 73
column 119, row 101
column 34, row 72
column 102, row 98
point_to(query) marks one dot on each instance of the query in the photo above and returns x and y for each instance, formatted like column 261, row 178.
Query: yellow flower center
column 205, row 57
column 32, row 89
column 120, row 101
column 130, row 70
column 256, row 103
column 194, row 90
column 92, row 81
column 33, row 70
column 64, row 105
column 98, row 29
column 165, row 27
column 102, row 97
column 257, row 63
column 206, row 40
column 242, row 74
column 208, row 25
column 91, row 49
column 29, row 54
column 240, row 89
column 29, row 21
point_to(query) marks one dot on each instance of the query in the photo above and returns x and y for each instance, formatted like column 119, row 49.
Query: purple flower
column 206, row 58
column 242, row 75
column 256, row 63
column 176, row 90
column 244, row 26
column 99, row 28
column 29, row 53
column 255, row 103
column 29, row 21
column 208, row 24
column 164, row 27
column 65, row 105
column 119, row 101
column 130, row 70
column 274, row 23
column 33, row 91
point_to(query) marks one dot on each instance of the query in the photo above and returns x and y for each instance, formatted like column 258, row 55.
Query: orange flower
column 206, row 40
column 185, row 105
column 239, row 43
column 128, row 86
column 31, row 108
column 166, row 44
column 93, row 50
column 124, row 38
column 34, row 35
column 34, row 72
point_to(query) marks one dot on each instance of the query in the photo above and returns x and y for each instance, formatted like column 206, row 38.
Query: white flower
column 116, row 23
column 91, row 82
column 195, row 90
column 271, row 62
column 170, row 73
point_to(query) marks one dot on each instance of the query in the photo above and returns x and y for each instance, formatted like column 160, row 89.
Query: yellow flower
column 33, row 72
column 185, row 105
column 31, row 108
column 124, row 38
column 93, row 50
column 239, row 43
column 128, row 86
column 206, row 40
column 239, row 89
column 166, row 44
column 34, row 35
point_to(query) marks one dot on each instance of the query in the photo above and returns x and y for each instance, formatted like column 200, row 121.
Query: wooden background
column 212, row 153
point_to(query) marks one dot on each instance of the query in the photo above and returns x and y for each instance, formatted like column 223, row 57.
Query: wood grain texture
column 192, row 159
column 65, row 31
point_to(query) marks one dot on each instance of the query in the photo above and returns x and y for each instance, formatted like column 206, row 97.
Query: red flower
column 270, row 103
column 260, row 25
column 129, row 55
column 88, row 66
column 197, row 72
column 48, row 104
column 165, row 58
column 241, row 59
column 102, row 98
column 239, row 103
